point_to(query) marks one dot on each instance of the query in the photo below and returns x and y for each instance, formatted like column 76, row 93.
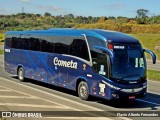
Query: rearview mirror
column 152, row 54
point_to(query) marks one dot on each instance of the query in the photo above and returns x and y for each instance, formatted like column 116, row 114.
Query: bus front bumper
column 132, row 92
column 129, row 93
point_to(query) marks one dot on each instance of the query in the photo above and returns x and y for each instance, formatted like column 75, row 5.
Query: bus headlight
column 145, row 85
column 111, row 86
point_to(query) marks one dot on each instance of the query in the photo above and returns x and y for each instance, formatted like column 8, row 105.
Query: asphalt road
column 36, row 96
column 152, row 66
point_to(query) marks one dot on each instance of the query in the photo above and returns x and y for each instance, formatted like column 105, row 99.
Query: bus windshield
column 128, row 63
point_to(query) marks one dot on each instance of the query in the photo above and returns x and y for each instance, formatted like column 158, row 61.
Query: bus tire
column 21, row 74
column 83, row 91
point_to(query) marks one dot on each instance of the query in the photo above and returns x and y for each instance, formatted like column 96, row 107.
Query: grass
column 149, row 41
column 153, row 75
column 1, row 52
column 1, row 42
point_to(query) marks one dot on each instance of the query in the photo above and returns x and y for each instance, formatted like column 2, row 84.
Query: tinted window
column 31, row 45
column 62, row 44
column 25, row 43
column 8, row 42
column 79, row 48
column 34, row 43
column 58, row 47
column 14, row 42
column 46, row 44
column 93, row 41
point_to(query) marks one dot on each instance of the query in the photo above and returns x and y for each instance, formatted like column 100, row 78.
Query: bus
column 92, row 62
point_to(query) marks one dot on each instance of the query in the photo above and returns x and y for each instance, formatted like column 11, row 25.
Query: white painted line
column 31, row 96
column 5, row 90
column 32, row 105
column 18, row 91
column 2, row 87
column 1, row 96
column 148, row 102
column 80, row 104
column 53, row 95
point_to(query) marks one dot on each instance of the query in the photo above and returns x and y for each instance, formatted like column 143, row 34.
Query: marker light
column 110, row 46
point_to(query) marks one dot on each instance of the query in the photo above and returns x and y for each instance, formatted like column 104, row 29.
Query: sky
column 95, row 8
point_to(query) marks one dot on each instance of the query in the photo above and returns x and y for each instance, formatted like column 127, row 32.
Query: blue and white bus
column 101, row 63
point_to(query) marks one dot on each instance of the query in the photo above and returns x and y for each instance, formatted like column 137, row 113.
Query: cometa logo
column 68, row 64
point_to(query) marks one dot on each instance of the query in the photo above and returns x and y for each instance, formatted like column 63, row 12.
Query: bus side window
column 14, row 42
column 25, row 43
column 8, row 42
column 78, row 47
column 31, row 45
column 94, row 60
column 20, row 42
column 102, row 64
column 62, row 45
column 43, row 45
column 57, row 48
column 36, row 44
column 50, row 47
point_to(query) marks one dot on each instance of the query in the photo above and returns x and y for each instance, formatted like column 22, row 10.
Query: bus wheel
column 21, row 74
column 83, row 90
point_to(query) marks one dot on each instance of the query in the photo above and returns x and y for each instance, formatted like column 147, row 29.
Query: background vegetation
column 153, row 75
column 146, row 29
column 150, row 41
column 143, row 27
column 27, row 21
column 1, row 52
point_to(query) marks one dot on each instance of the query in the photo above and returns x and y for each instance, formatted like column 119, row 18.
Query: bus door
column 101, row 64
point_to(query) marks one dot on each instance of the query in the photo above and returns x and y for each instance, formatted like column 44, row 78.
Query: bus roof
column 108, row 35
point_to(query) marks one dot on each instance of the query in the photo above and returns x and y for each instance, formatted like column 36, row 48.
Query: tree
column 47, row 14
column 102, row 19
column 141, row 16
column 111, row 18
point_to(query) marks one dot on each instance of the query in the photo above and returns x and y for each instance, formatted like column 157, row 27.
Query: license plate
column 132, row 97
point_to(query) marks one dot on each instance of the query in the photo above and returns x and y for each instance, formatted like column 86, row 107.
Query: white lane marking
column 148, row 102
column 32, row 105
column 5, row 90
column 59, row 98
column 2, row 87
column 1, row 96
column 12, row 90
column 52, row 95
column 31, row 96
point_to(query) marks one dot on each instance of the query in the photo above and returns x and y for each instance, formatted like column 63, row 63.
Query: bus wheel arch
column 82, row 89
column 20, row 73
